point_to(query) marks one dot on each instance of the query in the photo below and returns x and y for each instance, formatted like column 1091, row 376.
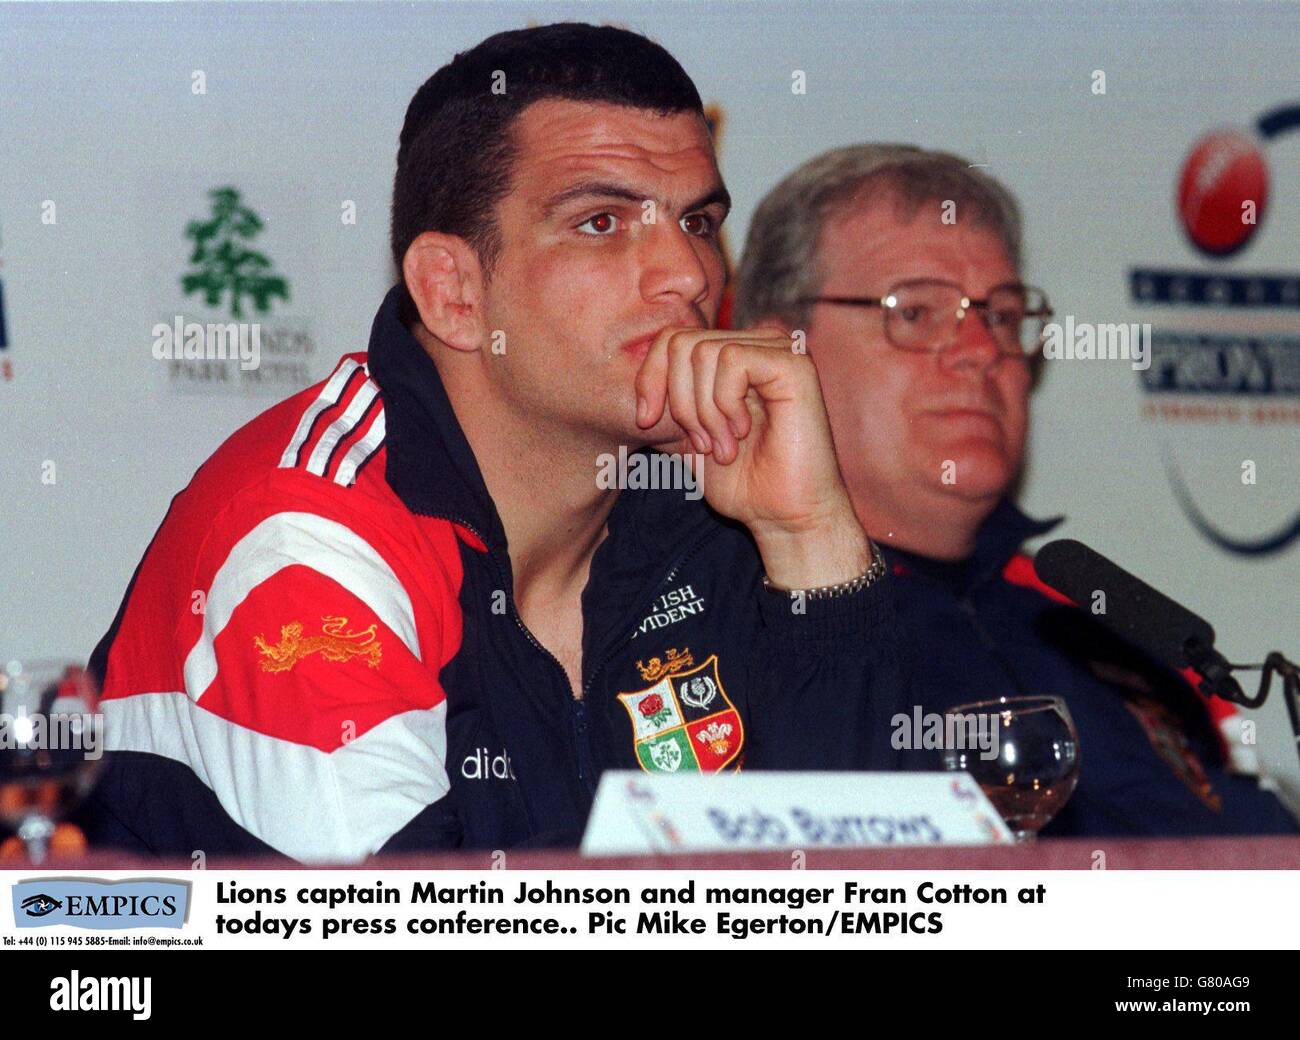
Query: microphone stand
column 1217, row 679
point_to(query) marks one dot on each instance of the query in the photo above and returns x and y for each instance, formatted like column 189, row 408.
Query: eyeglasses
column 924, row 315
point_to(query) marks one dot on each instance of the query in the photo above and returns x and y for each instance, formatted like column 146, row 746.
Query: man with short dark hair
column 902, row 267
column 402, row 609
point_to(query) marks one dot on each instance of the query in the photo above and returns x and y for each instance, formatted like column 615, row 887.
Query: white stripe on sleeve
column 341, row 427
column 360, row 451
column 311, row 805
column 329, row 395
column 284, row 540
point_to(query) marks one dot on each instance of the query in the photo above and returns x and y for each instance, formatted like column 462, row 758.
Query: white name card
column 637, row 812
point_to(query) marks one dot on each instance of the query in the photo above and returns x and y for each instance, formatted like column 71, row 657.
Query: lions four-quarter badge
column 685, row 722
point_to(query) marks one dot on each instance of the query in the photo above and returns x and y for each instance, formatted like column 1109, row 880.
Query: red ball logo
column 1222, row 192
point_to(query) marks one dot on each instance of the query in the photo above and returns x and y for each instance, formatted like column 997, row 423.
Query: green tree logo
column 223, row 261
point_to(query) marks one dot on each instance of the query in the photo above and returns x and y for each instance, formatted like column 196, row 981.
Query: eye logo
column 99, row 903
column 39, row 905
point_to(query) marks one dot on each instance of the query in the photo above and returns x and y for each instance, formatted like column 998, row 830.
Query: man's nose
column 670, row 265
column 974, row 346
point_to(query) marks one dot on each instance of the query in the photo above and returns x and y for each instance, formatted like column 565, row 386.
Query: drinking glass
column 1036, row 765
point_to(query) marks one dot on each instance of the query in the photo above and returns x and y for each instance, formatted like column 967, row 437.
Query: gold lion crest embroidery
column 672, row 662
column 333, row 644
column 684, row 722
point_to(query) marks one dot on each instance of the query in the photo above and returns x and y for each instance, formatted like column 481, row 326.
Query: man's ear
column 445, row 280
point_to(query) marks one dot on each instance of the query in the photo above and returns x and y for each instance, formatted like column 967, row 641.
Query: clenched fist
column 753, row 408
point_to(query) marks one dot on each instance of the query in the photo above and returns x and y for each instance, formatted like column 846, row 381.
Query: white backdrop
column 302, row 110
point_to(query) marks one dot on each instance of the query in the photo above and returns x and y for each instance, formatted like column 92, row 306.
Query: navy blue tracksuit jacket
column 1151, row 760
column 320, row 654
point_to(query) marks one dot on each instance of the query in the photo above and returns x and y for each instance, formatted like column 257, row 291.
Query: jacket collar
column 431, row 466
column 1001, row 536
column 997, row 541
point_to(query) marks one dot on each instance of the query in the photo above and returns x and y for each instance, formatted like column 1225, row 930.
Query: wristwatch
column 873, row 574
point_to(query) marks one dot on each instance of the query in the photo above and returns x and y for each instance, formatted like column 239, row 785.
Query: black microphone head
column 1124, row 604
column 1057, row 563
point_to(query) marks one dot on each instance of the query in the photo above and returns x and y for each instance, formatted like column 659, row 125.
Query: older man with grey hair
column 902, row 267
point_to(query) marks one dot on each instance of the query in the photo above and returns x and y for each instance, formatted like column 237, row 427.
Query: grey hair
column 780, row 264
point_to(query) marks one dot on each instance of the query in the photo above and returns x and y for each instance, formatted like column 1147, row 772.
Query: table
column 1264, row 853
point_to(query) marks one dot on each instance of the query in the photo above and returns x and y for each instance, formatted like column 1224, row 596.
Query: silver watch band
column 845, row 588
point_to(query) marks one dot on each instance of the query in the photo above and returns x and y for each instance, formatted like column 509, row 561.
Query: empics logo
column 98, row 904
column 92, row 993
column 40, row 905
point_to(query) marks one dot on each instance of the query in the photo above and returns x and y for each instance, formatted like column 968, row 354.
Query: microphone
column 1149, row 620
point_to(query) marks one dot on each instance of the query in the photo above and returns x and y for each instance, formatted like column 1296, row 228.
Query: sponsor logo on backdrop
column 98, row 903
column 229, row 330
column 1218, row 370
column 1223, row 191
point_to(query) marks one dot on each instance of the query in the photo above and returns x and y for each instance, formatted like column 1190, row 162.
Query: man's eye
column 912, row 312
column 1006, row 317
column 602, row 225
column 704, row 227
